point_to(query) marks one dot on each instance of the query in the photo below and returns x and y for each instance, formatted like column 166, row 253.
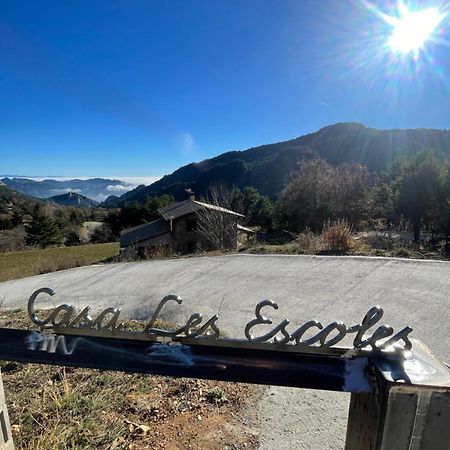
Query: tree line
column 414, row 190
column 37, row 224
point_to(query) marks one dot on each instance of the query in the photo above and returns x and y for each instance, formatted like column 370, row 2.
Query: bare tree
column 216, row 227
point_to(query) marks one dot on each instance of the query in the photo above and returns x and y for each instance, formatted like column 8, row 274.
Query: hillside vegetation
column 268, row 167
column 27, row 221
column 373, row 180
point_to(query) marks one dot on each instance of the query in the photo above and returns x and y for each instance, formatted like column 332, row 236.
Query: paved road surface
column 412, row 293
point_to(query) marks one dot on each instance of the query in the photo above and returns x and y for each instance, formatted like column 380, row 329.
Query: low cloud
column 119, row 187
column 136, row 181
column 66, row 191
column 101, row 197
column 54, row 178
column 93, row 191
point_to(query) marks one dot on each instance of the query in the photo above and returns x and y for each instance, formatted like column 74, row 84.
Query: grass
column 34, row 262
column 64, row 408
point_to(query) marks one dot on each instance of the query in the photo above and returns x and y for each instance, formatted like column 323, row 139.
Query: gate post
column 398, row 417
column 6, row 440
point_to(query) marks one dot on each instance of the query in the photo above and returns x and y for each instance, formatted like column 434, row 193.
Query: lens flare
column 412, row 29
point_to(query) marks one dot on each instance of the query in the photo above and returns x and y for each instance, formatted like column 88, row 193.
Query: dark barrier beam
column 332, row 373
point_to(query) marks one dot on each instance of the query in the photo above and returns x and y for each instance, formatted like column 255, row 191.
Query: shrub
column 157, row 252
column 337, row 236
column 379, row 241
column 72, row 238
column 12, row 240
column 308, row 242
column 102, row 235
column 216, row 396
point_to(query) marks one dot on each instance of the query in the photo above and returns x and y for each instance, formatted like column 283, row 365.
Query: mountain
column 110, row 202
column 9, row 196
column 96, row 188
column 267, row 167
column 15, row 207
column 73, row 199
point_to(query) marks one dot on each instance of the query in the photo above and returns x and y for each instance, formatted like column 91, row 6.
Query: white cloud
column 119, row 187
column 185, row 142
column 55, row 178
column 136, row 181
column 133, row 181
column 65, row 191
column 100, row 197
column 188, row 143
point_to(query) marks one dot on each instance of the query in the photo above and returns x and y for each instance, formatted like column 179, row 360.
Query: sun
column 412, row 29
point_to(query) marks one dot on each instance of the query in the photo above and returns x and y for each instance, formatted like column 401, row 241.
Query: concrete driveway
column 412, row 292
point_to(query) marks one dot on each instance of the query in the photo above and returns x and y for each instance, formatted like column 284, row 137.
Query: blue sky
column 139, row 88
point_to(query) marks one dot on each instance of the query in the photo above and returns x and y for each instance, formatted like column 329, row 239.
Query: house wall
column 188, row 240
column 184, row 238
column 162, row 239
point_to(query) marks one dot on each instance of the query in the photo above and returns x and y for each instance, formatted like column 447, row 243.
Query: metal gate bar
column 396, row 403
column 194, row 361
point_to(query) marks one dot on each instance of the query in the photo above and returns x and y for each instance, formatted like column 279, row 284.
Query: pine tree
column 42, row 230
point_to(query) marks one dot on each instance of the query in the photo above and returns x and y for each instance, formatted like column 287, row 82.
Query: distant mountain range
column 95, row 188
column 73, row 199
column 267, row 167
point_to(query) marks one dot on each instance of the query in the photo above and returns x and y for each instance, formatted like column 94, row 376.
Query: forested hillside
column 268, row 167
column 30, row 222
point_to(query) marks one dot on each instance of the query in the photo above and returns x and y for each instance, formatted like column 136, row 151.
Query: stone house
column 178, row 229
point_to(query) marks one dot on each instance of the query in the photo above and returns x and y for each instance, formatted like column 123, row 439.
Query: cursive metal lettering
column 332, row 334
column 311, row 335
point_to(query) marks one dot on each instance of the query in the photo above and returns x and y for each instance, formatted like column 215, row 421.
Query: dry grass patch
column 337, row 237
column 34, row 262
column 339, row 240
column 54, row 407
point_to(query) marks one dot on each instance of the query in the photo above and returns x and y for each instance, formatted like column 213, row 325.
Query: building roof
column 190, row 206
column 247, row 230
column 143, row 232
column 218, row 208
column 162, row 225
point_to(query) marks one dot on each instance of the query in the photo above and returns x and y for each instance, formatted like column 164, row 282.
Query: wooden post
column 6, row 440
column 399, row 418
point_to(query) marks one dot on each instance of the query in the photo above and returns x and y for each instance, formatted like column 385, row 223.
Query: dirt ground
column 54, row 407
column 180, row 424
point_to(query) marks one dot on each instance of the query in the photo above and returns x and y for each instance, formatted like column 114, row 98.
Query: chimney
column 191, row 194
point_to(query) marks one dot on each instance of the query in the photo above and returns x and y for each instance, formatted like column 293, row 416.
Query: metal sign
column 65, row 320
column 400, row 398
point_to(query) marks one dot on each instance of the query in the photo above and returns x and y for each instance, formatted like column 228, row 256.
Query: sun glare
column 412, row 29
